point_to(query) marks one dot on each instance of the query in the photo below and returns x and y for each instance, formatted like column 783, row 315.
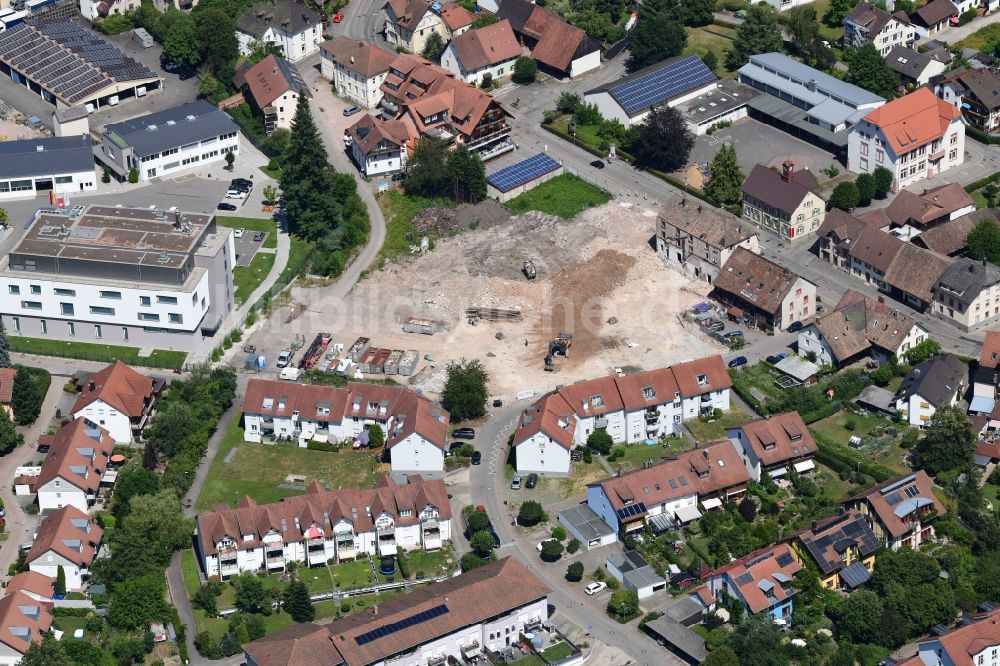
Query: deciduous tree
column 803, row 26
column 525, row 69
column 47, row 652
column 136, row 602
column 10, row 438
column 467, row 176
column 948, row 443
column 218, row 44
column 845, row 196
column 726, row 184
column 655, row 38
column 250, row 597
column 552, row 550
column 759, row 33
column 860, row 616
column 433, row 47
column 574, row 572
column 4, row 347
column 866, row 188
column 465, row 389
column 623, row 603
column 482, row 543
column 664, row 140
column 883, row 181
column 984, row 241
column 868, row 70
column 600, row 441
column 181, row 44
column 531, row 513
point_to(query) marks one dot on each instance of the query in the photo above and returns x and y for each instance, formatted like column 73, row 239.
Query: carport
column 583, row 523
column 678, row 639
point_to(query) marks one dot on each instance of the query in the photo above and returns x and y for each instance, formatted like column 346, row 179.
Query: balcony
column 387, row 545
column 439, row 659
column 601, row 422
column 276, row 562
column 936, row 155
column 472, row 650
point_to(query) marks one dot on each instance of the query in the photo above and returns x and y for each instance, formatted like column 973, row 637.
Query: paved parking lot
column 757, row 143
column 247, row 247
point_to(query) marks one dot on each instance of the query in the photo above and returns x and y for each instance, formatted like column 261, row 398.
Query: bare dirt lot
column 598, row 279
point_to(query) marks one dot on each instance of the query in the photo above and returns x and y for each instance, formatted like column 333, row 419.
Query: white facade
column 57, row 493
column 118, row 425
column 414, row 41
column 28, row 187
column 182, row 158
column 584, row 64
column 9, row 656
column 363, row 91
column 783, row 5
column 416, row 455
column 542, row 455
column 811, row 340
column 449, row 60
column 48, row 565
column 294, row 46
column 379, row 161
column 612, row 110
column 89, row 8
column 918, row 410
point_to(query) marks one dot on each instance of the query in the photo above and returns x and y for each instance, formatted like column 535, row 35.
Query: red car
column 338, row 17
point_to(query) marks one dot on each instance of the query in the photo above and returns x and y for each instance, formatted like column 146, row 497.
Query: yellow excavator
column 559, row 345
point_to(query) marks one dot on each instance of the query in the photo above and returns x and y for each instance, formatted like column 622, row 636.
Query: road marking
column 497, row 447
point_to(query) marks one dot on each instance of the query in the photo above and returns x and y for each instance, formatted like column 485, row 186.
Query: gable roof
column 966, row 640
column 552, row 416
column 915, row 271
column 271, row 78
column 717, row 227
column 78, row 454
column 68, row 532
column 936, row 380
column 934, row 12
column 951, row 238
column 841, row 228
column 768, row 570
column 933, row 204
column 915, row 119
column 119, row 386
column 827, row 541
column 876, row 248
column 288, row 16
column 369, row 133
column 755, row 280
column 870, row 17
column 660, row 83
column 558, row 42
column 7, row 384
column 983, row 85
column 490, row 45
column 455, row 16
column 907, row 62
column 989, row 355
column 780, row 438
column 23, row 621
column 171, row 128
column 772, row 188
column 362, row 58
column 711, row 369
column 859, row 322
column 469, row 599
column 893, row 501
column 32, row 582
column 965, row 279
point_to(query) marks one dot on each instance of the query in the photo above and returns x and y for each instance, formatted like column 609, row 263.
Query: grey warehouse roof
column 791, row 74
column 658, row 83
column 45, row 157
column 174, row 127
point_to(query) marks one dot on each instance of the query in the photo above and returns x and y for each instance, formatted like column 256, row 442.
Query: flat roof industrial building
column 61, row 164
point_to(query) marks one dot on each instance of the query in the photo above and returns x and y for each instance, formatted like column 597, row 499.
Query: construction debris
column 493, row 314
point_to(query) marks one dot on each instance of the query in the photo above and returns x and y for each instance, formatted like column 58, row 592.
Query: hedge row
column 829, row 409
column 322, row 446
column 983, row 182
column 981, row 136
column 853, row 459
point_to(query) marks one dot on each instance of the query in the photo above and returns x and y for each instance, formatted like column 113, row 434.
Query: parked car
column 795, row 327
column 241, row 183
column 738, row 362
column 477, row 458
column 497, row 402
column 284, row 358
column 597, row 164
column 399, row 176
column 531, row 481
column 595, row 588
column 226, row 206
column 239, row 232
column 515, row 483
column 463, row 433
column 237, row 194
column 351, row 110
column 733, row 334
column 259, row 237
column 776, row 358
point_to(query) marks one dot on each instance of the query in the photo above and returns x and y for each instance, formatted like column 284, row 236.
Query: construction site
column 540, row 300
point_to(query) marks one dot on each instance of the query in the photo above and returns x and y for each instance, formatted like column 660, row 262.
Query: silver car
column 515, row 483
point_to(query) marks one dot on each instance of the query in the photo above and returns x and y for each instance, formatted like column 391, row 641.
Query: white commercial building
column 63, row 165
column 296, row 29
column 147, row 278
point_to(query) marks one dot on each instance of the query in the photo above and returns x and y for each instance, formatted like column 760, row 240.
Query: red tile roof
column 653, row 387
column 593, row 397
column 455, row 16
column 361, row 58
column 7, row 384
column 369, row 133
column 780, row 438
column 486, row 46
column 322, row 509
column 754, row 279
column 120, row 387
column 913, row 120
column 989, row 355
column 934, row 204
column 32, row 582
column 552, row 416
column 78, row 454
column 70, row 533
column 702, row 375
column 964, row 642
column 271, row 78
column 23, row 621
column 765, row 573
column 899, row 495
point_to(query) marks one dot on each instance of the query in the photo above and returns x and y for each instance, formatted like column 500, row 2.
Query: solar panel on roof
column 894, row 499
column 855, row 574
column 522, row 172
column 389, row 629
column 744, row 578
column 660, row 85
column 912, row 491
column 784, row 560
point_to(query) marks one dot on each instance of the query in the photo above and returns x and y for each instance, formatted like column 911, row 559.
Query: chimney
column 787, row 169
column 91, row 386
column 811, row 85
column 375, row 610
column 881, row 299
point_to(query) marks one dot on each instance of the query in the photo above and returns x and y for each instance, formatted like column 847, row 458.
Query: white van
column 290, row 374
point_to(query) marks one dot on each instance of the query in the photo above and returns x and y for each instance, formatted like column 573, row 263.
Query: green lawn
column 831, row 484
column 298, row 256
column 429, row 563
column 191, row 571
column 247, row 278
column 979, row 199
column 271, row 173
column 400, row 209
column 715, row 38
column 557, row 652
column 635, row 454
column 257, row 469
column 713, row 431
column 984, row 37
column 565, row 196
column 836, row 428
column 160, row 358
column 252, row 224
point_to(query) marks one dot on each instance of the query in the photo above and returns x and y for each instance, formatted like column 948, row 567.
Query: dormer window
column 702, row 380
column 405, row 513
column 373, row 406
column 597, row 401
column 648, row 392
column 796, row 436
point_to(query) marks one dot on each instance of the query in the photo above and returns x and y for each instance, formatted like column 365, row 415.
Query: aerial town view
column 482, row 332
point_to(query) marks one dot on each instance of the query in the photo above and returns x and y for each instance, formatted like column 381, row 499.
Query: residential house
column 837, row 236
column 919, row 212
column 916, row 136
column 410, row 23
column 324, row 525
column 666, row 495
column 936, row 383
column 356, row 69
column 697, row 239
column 774, row 446
column 974, row 640
column 118, row 399
column 23, row 620
column 164, row 6
column 976, row 93
column 74, row 467
column 860, row 327
column 968, row 294
column 914, row 67
column 933, row 17
column 67, row 538
column 554, row 43
column 416, row 430
column 900, row 510
column 486, row 54
column 785, row 203
column 772, row 296
column 35, row 585
column 761, row 581
column 632, row 409
column 455, row 620
column 913, row 275
column 843, row 548
column 950, row 239
column 272, row 88
column 985, row 376
column 378, row 146
column 635, row 574
column 295, row 29
column 868, row 24
column 104, row 8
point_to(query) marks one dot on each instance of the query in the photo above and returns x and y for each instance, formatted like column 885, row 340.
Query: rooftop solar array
column 744, row 578
column 784, row 559
column 522, row 172
column 67, row 60
column 855, row 574
column 661, row 83
column 855, row 533
column 392, row 628
column 631, row 510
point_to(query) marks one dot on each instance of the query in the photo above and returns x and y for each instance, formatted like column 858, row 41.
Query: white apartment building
column 967, row 294
column 410, row 23
column 63, row 165
column 324, row 525
column 356, row 69
column 69, row 539
column 378, row 146
column 170, row 141
column 868, row 24
column 296, row 29
column 74, row 467
column 916, row 136
column 134, row 276
column 119, row 400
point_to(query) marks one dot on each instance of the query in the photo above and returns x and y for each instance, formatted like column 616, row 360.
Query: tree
column 218, row 44
column 276, row 146
column 711, row 60
column 307, row 181
column 721, row 656
column 568, row 103
column 259, row 49
column 105, row 175
column 484, row 19
column 10, row 438
column 883, row 181
column 623, row 603
column 250, row 597
column 145, row 540
column 136, row 602
column 573, row 545
column 655, row 38
column 181, row 44
column 552, row 550
column 759, row 33
column 698, row 12
column 574, row 572
column 465, row 389
column 4, row 347
column 471, row 561
column 230, row 159
column 433, row 47
column 839, row 9
column 60, row 585
column 845, row 196
column 376, row 436
column 865, row 183
column 748, row 509
column 467, row 175
column 525, row 69
column 26, row 397
column 297, row 603
column 924, row 351
column 205, row 599
column 726, row 184
column 869, row 71
column 757, row 642
column 482, row 543
column 531, row 513
column 804, row 27
column 600, row 441
column 664, row 140
column 5, row 217
column 984, row 241
column 989, row 192
column 133, row 175
column 171, row 428
column 149, row 457
column 132, row 482
column 477, row 521
column 48, row 652
column 860, row 616
column 948, row 443
column 427, row 168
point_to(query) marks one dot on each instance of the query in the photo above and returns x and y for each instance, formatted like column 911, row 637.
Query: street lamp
column 572, row 131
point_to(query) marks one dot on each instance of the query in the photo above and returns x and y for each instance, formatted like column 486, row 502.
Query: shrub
column 559, row 533
column 600, row 441
column 525, row 69
column 322, row 446
column 574, row 572
column 531, row 513
column 133, row 175
column 552, row 550
column 574, row 544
